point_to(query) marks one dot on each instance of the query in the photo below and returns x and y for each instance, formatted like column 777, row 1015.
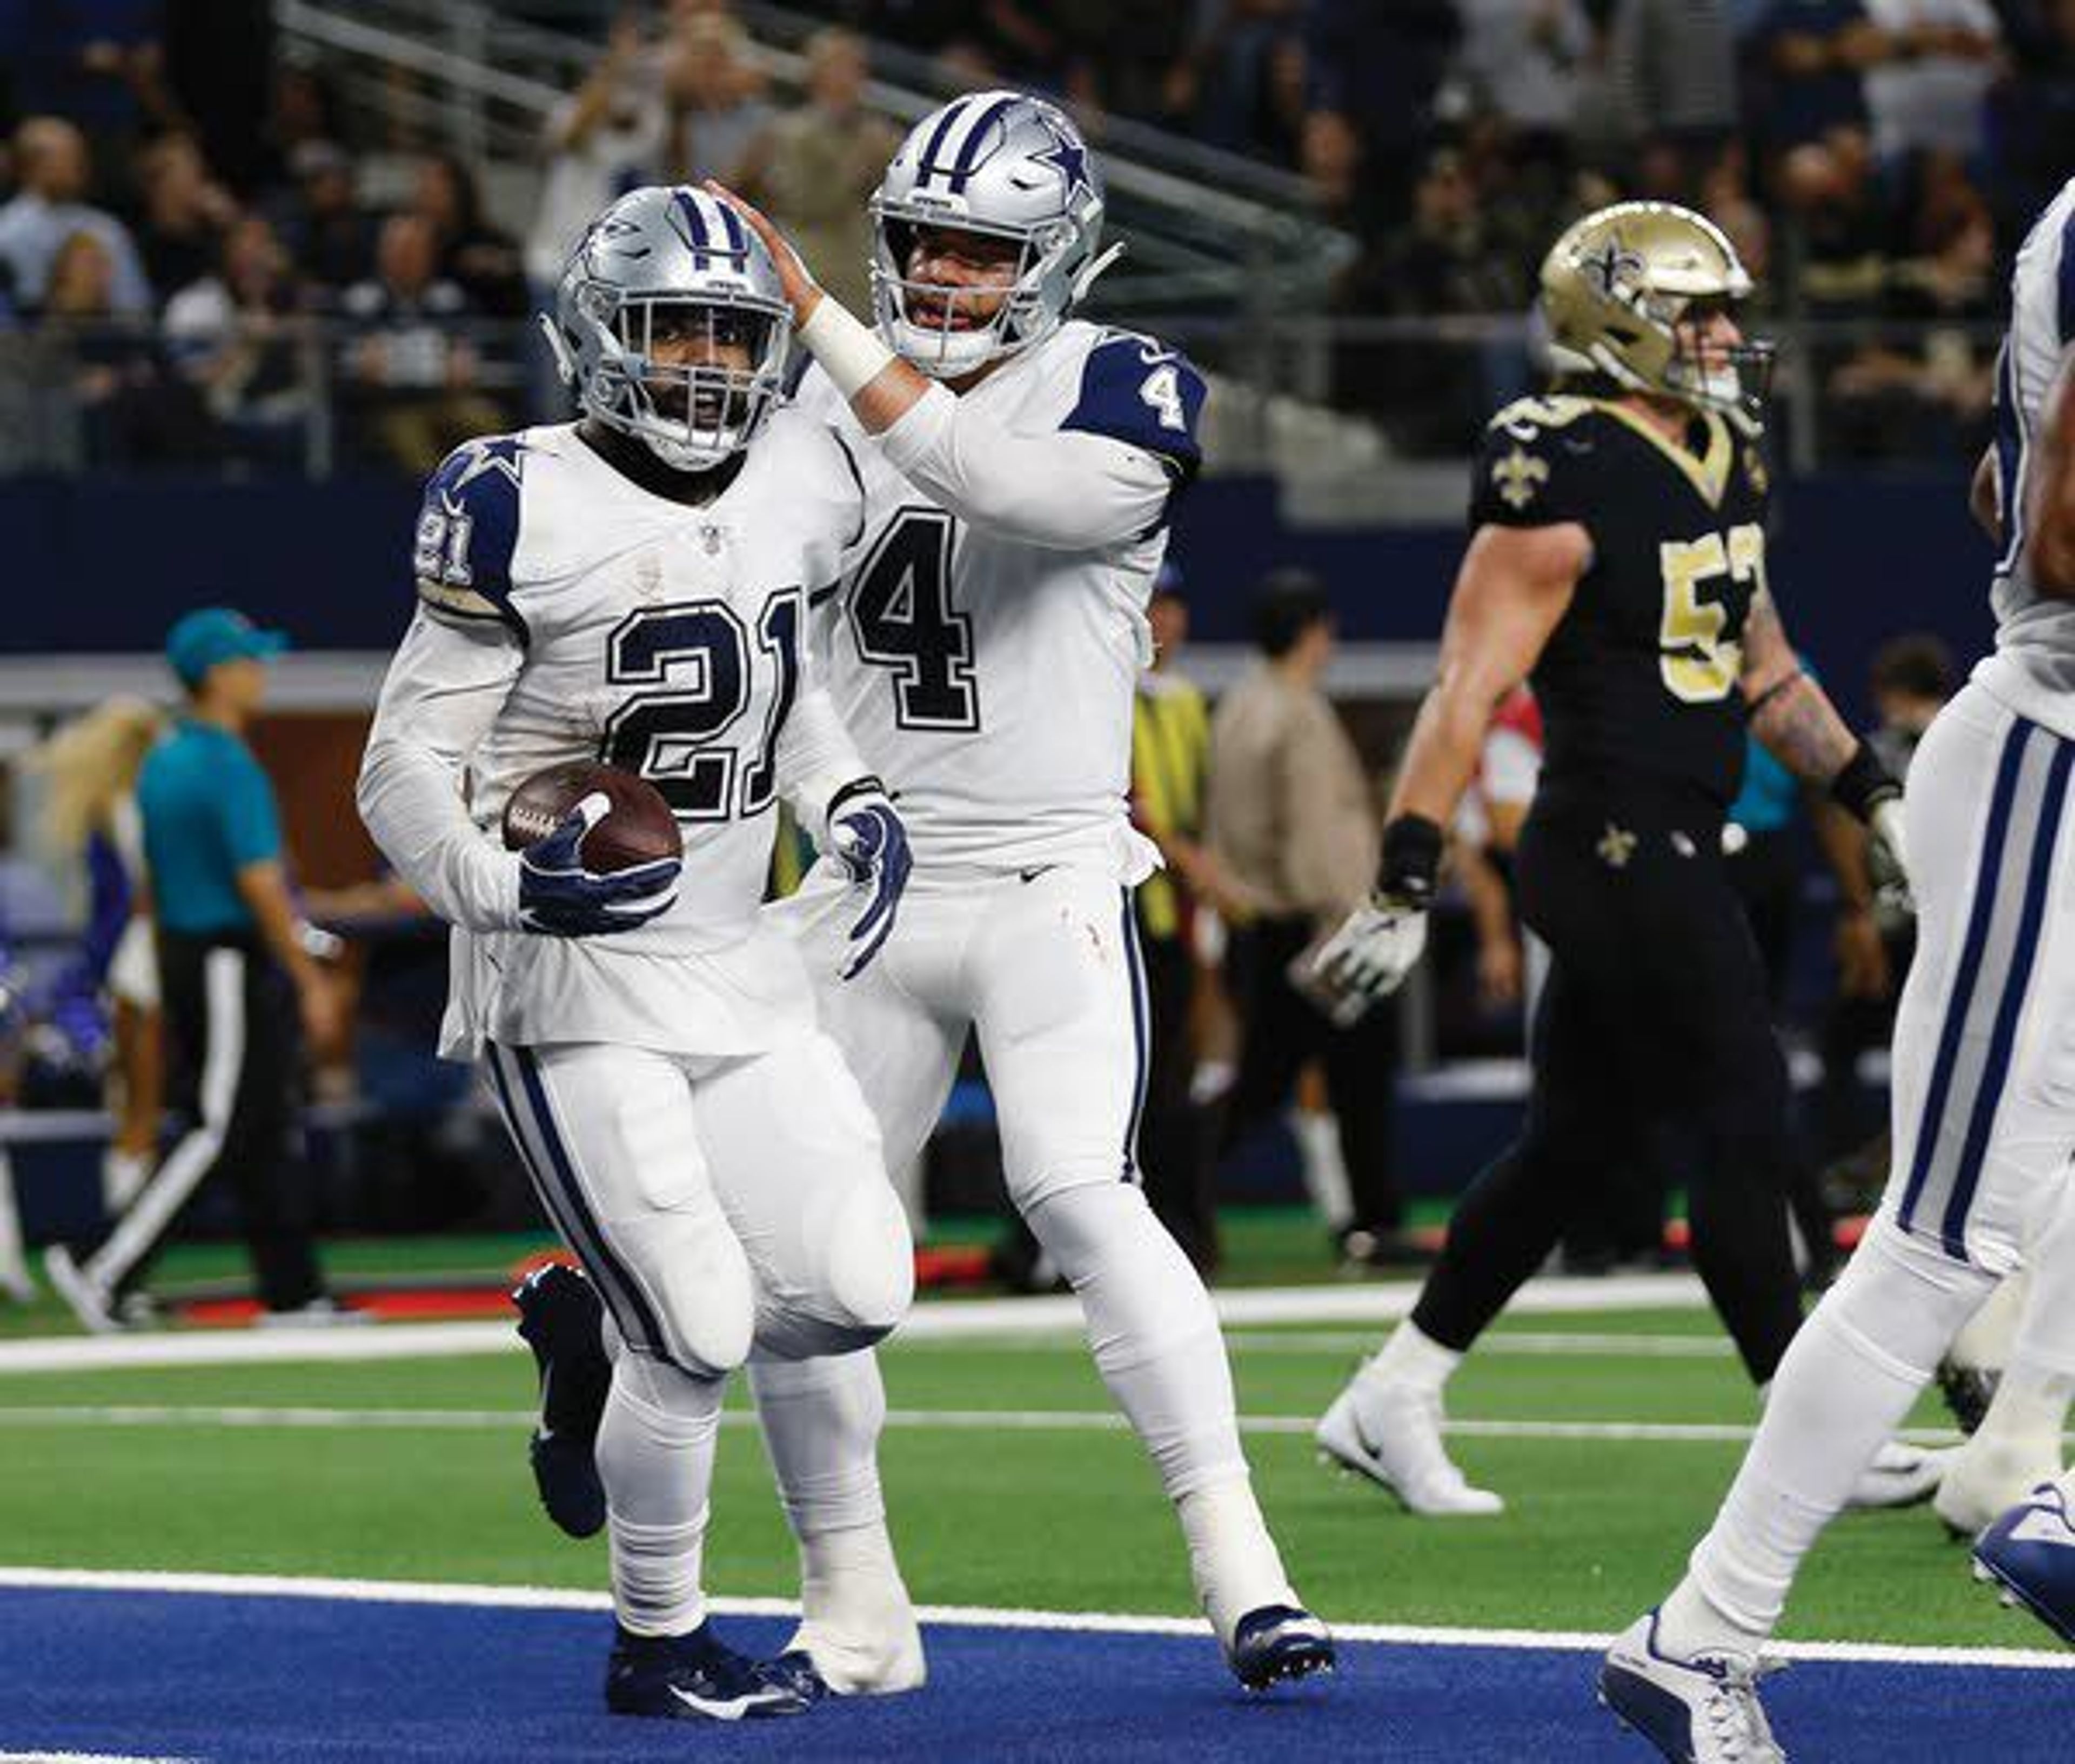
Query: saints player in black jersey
column 1618, row 562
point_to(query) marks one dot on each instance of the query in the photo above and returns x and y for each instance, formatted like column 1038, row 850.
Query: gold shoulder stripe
column 1709, row 474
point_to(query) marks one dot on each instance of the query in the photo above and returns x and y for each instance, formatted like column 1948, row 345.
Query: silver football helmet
column 1009, row 166
column 670, row 326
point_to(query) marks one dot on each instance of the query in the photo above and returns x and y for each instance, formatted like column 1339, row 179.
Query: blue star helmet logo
column 1069, row 158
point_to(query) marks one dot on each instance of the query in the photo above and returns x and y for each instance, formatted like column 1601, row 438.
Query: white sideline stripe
column 85, row 1758
column 529, row 1598
column 983, row 1420
column 949, row 1319
column 1530, row 1343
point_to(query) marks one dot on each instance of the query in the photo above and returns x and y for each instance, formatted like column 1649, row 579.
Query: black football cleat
column 1277, row 1643
column 561, row 1320
column 795, row 1669
column 1968, row 1391
column 695, row 1677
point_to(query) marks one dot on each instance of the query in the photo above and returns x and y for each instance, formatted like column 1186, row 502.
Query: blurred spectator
column 2032, row 113
column 1240, row 81
column 1934, row 92
column 185, row 212
column 1671, row 77
column 604, row 140
column 234, row 335
column 327, row 234
column 1808, row 61
column 52, row 172
column 812, row 169
column 96, row 62
column 1379, row 67
column 714, row 92
column 220, row 60
column 1526, row 60
column 1834, row 191
column 1292, row 820
column 132, row 409
column 477, row 258
column 411, row 372
column 89, row 770
column 1170, row 759
column 302, row 108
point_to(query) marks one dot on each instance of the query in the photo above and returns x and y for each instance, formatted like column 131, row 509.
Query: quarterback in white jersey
column 1983, row 1104
column 633, row 587
column 1019, row 467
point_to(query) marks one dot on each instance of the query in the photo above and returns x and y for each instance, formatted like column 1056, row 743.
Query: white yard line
column 936, row 1320
column 1532, row 1343
column 971, row 1616
column 976, row 1420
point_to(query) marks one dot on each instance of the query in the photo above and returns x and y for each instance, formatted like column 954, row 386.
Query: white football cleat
column 1991, row 1474
column 1391, row 1433
column 1702, row 1711
column 88, row 1300
column 1899, row 1475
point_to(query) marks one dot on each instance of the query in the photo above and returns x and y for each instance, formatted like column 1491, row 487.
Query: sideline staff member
column 239, row 984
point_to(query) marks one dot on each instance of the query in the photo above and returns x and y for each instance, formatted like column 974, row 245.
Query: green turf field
column 1050, row 1507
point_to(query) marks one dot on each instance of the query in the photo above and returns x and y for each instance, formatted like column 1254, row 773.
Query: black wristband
column 1864, row 785
column 1411, row 858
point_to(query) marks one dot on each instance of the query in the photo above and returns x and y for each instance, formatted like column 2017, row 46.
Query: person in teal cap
column 241, row 991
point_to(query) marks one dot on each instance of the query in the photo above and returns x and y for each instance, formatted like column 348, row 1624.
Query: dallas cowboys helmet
column 1003, row 164
column 1615, row 288
column 670, row 266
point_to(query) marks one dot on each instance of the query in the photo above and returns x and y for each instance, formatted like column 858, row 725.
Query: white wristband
column 850, row 353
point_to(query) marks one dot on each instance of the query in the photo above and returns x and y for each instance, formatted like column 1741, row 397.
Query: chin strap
column 1086, row 278
column 565, row 363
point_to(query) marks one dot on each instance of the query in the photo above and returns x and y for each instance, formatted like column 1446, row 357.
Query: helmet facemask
column 693, row 377
column 953, row 340
column 1735, row 378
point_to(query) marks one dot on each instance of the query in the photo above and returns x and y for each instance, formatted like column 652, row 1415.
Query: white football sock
column 1325, row 1168
column 1412, row 1357
column 1849, row 1377
column 1149, row 1321
column 1232, row 1560
column 822, row 1419
column 655, row 1457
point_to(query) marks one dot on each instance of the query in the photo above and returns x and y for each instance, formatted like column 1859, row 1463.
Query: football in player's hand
column 638, row 828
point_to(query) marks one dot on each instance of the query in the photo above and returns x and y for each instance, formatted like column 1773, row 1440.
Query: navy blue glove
column 559, row 897
column 867, row 838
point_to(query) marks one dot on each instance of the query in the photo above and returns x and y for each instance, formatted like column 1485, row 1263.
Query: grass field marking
column 982, row 1420
column 955, row 1616
column 936, row 1320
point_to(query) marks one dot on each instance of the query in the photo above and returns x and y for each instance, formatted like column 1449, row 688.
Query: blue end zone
column 245, row 1680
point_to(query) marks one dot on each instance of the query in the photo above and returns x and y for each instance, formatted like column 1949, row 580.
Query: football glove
column 559, row 897
column 1367, row 957
column 867, row 838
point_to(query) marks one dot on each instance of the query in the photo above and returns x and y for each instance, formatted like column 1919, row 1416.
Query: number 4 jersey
column 983, row 645
column 565, row 613
column 1641, row 673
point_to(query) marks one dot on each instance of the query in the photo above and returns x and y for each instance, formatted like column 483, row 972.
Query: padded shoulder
column 1137, row 390
column 468, row 529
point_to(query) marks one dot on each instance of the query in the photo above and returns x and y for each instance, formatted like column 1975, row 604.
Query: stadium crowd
column 176, row 200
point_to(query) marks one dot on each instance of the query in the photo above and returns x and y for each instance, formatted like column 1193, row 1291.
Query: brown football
column 638, row 828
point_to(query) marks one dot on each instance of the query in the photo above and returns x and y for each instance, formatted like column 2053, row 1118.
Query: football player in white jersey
column 1984, row 1086
column 632, row 587
column 1018, row 465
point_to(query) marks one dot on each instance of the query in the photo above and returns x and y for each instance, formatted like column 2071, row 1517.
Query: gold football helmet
column 1615, row 288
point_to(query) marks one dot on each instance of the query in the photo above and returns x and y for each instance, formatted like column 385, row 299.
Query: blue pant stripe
column 1988, row 877
column 612, row 1274
column 1995, row 1068
column 1140, row 1036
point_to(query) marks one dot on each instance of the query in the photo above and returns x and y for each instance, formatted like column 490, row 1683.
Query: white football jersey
column 2033, row 667
column 982, row 647
column 566, row 613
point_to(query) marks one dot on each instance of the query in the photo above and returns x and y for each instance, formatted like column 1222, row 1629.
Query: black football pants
column 1655, row 1018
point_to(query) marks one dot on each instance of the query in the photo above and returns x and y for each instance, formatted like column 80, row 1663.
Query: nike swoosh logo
column 2041, row 1526
column 1032, row 875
